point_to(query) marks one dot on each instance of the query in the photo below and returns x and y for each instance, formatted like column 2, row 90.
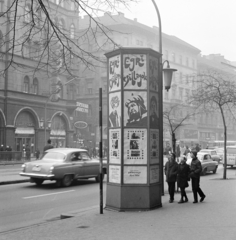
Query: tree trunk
column 225, row 153
column 173, row 143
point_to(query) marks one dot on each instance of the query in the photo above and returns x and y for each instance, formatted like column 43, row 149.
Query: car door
column 210, row 163
column 77, row 164
column 205, row 161
column 91, row 166
column 214, row 156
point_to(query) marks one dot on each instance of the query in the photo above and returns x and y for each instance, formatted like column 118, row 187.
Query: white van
column 231, row 155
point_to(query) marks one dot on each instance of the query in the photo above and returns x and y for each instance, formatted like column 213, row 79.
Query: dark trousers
column 196, row 189
column 183, row 193
column 171, row 189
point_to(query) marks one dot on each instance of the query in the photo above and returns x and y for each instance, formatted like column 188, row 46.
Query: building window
column 71, row 92
column 1, row 5
column 180, row 59
column 57, row 2
column 26, row 85
column 126, row 41
column 72, row 31
column 166, row 55
column 1, row 40
column 72, row 6
column 180, row 77
column 181, row 93
column 187, row 63
column 27, row 13
column 89, row 110
column 173, row 57
column 35, row 86
column 193, row 63
column 61, row 25
column 89, row 88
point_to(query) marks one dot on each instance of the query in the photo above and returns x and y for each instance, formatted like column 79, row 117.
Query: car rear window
column 54, row 156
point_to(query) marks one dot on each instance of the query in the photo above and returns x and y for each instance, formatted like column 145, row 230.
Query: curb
column 14, row 181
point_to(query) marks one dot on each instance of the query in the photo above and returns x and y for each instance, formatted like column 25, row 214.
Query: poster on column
column 114, row 109
column 135, row 146
column 154, row 174
column 154, row 146
column 153, row 73
column 135, row 109
column 134, row 71
column 154, row 111
column 114, row 73
column 135, row 174
column 115, row 145
column 114, row 174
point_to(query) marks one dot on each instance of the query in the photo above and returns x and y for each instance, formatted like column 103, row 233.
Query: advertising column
column 133, row 161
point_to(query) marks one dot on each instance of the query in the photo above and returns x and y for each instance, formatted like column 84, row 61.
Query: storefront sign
column 80, row 124
column 82, row 107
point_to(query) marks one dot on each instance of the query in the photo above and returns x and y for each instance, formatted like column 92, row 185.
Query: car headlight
column 51, row 169
column 23, row 167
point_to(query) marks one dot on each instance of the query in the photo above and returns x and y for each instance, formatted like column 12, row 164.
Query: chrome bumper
column 35, row 175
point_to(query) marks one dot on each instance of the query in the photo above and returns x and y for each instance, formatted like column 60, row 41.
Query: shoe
column 181, row 201
column 202, row 198
column 186, row 200
column 170, row 201
column 195, row 201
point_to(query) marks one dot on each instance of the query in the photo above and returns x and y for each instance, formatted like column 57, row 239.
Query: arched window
column 57, row 2
column 26, row 84
column 27, row 13
column 72, row 31
column 35, row 86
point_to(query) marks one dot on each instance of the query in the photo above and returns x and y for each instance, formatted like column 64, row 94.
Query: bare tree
column 216, row 92
column 34, row 28
column 178, row 115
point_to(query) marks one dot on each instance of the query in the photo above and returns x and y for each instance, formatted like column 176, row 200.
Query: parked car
column 213, row 153
column 63, row 165
column 208, row 165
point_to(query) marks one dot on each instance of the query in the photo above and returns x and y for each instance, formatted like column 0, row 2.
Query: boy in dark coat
column 171, row 170
column 182, row 178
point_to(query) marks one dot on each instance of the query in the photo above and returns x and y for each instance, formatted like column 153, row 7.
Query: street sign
column 80, row 124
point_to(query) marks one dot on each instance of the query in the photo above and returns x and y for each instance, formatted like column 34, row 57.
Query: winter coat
column 195, row 168
column 171, row 170
column 183, row 175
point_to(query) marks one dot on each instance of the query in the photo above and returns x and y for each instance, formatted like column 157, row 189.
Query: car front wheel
column 67, row 180
column 204, row 171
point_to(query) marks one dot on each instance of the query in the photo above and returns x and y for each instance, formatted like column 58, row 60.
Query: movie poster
column 135, row 109
column 135, row 174
column 154, row 111
column 114, row 73
column 154, row 174
column 114, row 109
column 153, row 73
column 154, row 146
column 115, row 145
column 114, row 174
column 134, row 71
column 135, row 146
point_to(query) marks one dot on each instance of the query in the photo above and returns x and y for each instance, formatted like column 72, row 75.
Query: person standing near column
column 195, row 172
column 171, row 170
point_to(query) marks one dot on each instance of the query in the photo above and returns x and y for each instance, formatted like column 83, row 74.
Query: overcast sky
column 209, row 25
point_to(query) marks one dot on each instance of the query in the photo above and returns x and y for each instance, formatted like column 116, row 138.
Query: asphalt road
column 26, row 204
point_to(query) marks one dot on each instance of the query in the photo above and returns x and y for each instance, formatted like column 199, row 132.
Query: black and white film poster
column 115, row 109
column 154, row 174
column 153, row 73
column 114, row 174
column 115, row 145
column 135, row 109
column 114, row 73
column 154, row 111
column 135, row 146
column 134, row 71
column 154, row 146
column 135, row 174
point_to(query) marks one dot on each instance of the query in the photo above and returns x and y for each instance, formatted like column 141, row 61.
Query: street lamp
column 168, row 77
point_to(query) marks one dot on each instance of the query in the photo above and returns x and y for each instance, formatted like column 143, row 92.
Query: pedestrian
column 195, row 172
column 48, row 146
column 178, row 152
column 37, row 154
column 183, row 178
column 27, row 152
column 171, row 170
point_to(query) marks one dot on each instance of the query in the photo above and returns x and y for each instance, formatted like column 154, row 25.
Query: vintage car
column 208, row 165
column 213, row 153
column 63, row 165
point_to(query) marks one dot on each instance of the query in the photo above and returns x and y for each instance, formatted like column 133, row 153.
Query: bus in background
column 220, row 144
column 231, row 155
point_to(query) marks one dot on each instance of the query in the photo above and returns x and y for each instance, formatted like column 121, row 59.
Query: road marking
column 43, row 195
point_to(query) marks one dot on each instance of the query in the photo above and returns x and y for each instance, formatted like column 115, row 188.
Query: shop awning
column 59, row 132
column 24, row 131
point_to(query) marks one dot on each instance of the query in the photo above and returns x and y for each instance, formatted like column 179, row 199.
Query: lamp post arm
column 160, row 30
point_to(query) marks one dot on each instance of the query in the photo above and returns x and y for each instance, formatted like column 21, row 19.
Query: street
column 25, row 204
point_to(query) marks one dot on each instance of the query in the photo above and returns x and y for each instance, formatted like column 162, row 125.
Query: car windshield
column 56, row 156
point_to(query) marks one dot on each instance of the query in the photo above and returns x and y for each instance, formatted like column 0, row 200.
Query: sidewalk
column 215, row 218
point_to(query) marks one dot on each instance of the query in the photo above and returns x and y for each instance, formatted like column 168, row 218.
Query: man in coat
column 195, row 172
column 171, row 170
column 48, row 146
